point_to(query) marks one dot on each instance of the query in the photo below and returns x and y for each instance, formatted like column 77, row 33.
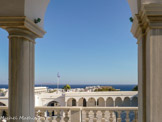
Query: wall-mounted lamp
column 37, row 20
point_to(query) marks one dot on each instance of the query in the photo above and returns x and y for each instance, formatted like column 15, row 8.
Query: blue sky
column 87, row 41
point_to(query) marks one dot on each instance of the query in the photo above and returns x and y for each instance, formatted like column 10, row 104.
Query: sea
column 122, row 87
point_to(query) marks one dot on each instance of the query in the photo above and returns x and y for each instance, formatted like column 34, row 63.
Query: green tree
column 105, row 89
column 135, row 88
column 67, row 87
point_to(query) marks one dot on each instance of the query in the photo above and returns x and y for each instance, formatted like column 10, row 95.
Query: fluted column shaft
column 147, row 28
column 21, row 74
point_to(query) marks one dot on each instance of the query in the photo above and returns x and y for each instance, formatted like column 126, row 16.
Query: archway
column 118, row 101
column 110, row 102
column 126, row 102
column 2, row 104
column 3, row 112
column 52, row 103
column 100, row 102
column 91, row 102
column 82, row 102
column 134, row 102
column 71, row 102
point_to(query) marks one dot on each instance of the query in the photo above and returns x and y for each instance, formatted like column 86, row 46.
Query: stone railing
column 81, row 114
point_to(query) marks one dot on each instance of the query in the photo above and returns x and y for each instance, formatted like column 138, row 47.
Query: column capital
column 149, row 17
column 21, row 27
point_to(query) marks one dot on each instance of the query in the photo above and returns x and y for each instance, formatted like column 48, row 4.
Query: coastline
column 122, row 87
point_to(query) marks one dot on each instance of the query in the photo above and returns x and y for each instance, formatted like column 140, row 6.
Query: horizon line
column 73, row 84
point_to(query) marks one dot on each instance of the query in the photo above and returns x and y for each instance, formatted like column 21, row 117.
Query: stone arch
column 101, row 102
column 53, row 103
column 2, row 104
column 82, row 102
column 110, row 102
column 71, row 102
column 91, row 102
column 3, row 111
column 126, row 102
column 118, row 101
column 134, row 102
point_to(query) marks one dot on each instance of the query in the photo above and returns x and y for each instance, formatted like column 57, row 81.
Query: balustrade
column 86, row 114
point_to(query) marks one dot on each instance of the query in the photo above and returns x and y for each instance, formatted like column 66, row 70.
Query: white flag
column 58, row 75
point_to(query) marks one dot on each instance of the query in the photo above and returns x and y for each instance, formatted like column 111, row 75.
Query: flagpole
column 58, row 80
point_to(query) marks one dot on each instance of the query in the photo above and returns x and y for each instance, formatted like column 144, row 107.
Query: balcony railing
column 80, row 114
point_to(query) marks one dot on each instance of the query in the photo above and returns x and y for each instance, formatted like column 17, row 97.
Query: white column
column 147, row 28
column 24, row 22
column 77, row 103
column 21, row 73
column 153, row 75
column 141, row 80
column 65, row 103
column 22, row 35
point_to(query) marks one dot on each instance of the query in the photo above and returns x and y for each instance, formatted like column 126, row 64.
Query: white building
column 89, row 99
